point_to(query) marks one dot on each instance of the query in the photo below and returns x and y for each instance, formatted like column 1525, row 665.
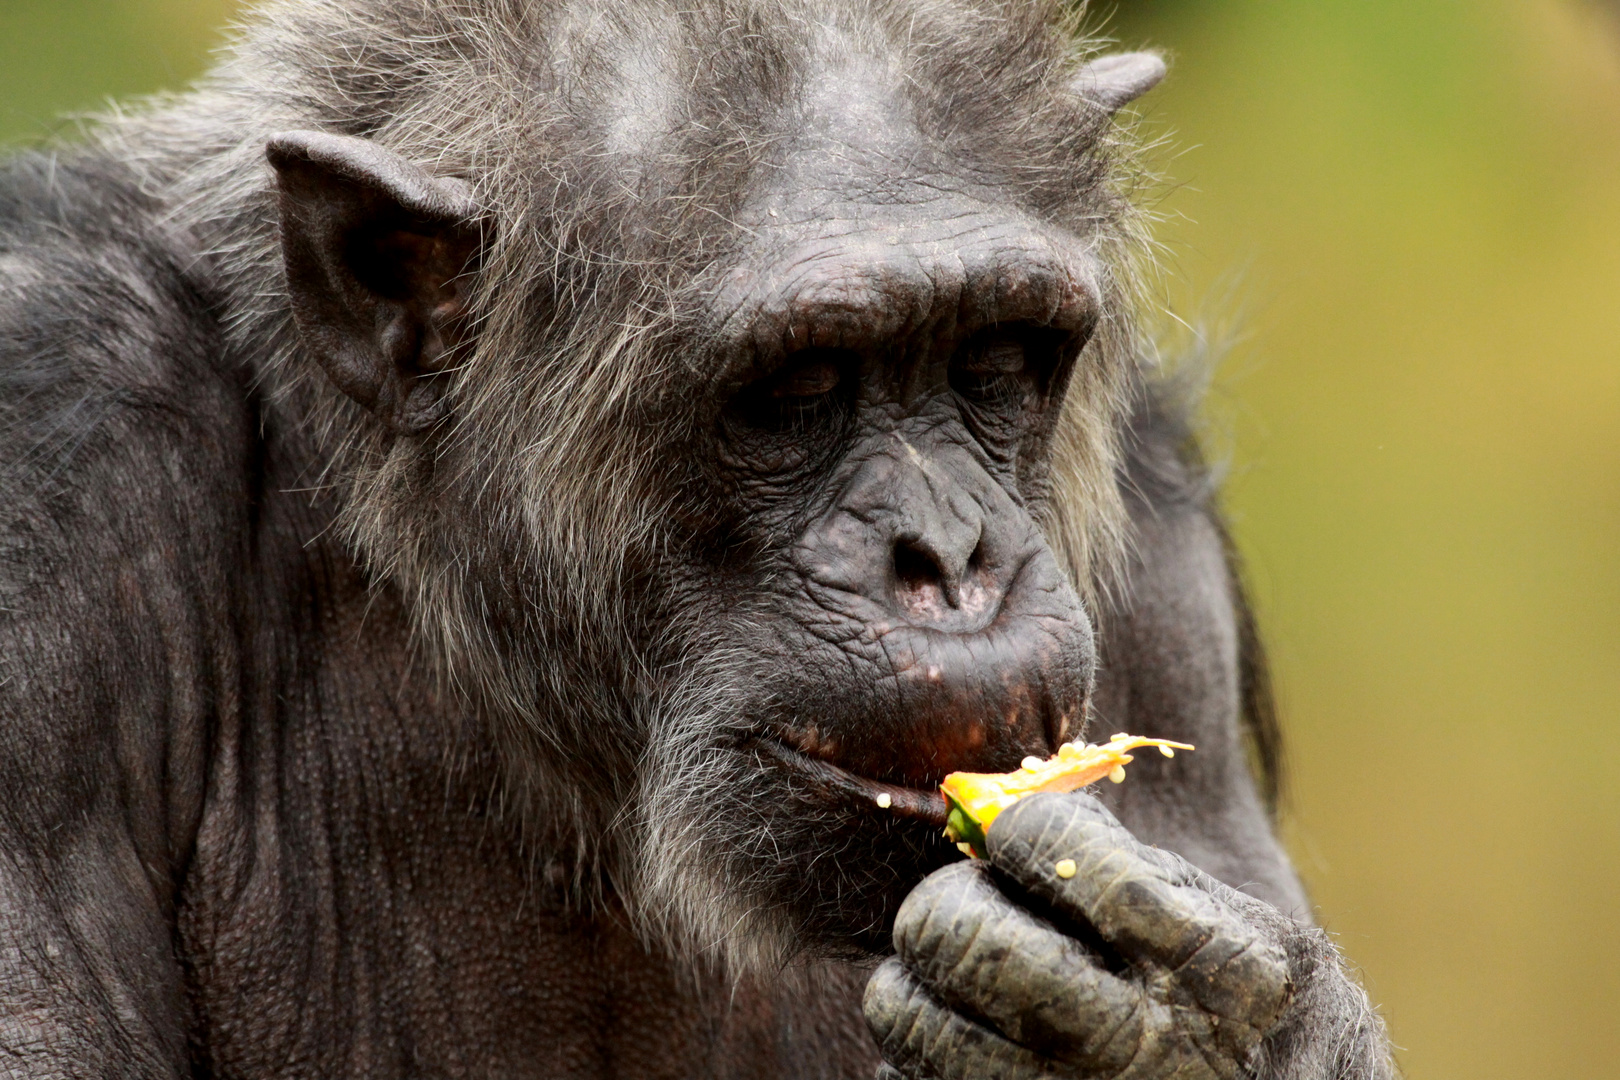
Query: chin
column 761, row 855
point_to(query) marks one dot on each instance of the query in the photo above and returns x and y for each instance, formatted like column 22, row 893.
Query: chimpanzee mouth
column 927, row 807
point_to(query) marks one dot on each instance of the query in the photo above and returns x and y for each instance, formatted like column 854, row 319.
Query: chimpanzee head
column 732, row 393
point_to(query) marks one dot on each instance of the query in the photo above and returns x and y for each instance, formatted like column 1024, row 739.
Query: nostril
column 916, row 570
column 975, row 562
column 923, row 584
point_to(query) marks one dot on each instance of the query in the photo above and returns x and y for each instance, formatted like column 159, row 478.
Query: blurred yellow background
column 1413, row 207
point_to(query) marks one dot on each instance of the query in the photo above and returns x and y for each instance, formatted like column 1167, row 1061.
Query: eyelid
column 811, row 380
column 1006, row 356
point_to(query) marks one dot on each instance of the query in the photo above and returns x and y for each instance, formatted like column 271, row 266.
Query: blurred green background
column 1410, row 209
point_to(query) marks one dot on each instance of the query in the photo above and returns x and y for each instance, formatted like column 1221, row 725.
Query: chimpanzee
column 508, row 508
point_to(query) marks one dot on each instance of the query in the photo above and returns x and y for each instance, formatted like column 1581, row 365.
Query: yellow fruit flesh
column 973, row 800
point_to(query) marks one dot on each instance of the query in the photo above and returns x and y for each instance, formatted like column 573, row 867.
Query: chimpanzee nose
column 940, row 578
column 923, row 536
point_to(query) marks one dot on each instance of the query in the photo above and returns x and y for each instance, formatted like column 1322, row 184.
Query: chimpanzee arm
column 1189, row 662
column 1180, row 660
column 89, row 985
column 89, row 982
column 112, row 583
column 1138, row 964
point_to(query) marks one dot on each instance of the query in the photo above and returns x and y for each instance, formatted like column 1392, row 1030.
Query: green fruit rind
column 961, row 828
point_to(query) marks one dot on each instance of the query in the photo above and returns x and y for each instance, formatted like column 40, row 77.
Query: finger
column 979, row 952
column 1140, row 903
column 923, row 1038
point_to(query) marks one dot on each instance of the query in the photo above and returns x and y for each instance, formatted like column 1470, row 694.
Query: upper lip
column 926, row 806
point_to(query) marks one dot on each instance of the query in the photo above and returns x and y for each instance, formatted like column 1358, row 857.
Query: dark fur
column 332, row 751
column 1165, row 468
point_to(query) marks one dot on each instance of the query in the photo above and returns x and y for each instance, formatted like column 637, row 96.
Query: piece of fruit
column 972, row 800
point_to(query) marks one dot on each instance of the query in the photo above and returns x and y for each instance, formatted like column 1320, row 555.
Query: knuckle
column 1261, row 970
column 1236, row 975
column 887, row 1000
column 1036, row 832
column 1125, row 1026
column 957, row 894
column 1054, row 815
column 1273, row 984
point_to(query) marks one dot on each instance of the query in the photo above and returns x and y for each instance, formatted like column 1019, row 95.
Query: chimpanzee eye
column 1003, row 367
column 807, row 392
column 808, row 381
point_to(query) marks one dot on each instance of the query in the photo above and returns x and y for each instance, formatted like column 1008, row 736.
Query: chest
column 356, row 907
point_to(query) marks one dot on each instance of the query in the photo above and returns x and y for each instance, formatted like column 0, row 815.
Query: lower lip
column 925, row 806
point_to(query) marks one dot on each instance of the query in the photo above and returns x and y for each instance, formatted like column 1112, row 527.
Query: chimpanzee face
column 879, row 441
column 893, row 348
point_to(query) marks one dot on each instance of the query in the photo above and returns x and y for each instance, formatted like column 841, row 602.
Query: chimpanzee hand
column 1140, row 967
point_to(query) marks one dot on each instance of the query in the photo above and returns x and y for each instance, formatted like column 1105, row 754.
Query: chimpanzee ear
column 376, row 251
column 1111, row 82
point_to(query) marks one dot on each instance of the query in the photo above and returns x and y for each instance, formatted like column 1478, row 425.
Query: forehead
column 870, row 98
column 866, row 212
column 833, row 157
column 852, row 142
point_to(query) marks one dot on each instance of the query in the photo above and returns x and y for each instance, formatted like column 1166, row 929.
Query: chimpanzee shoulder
column 126, row 450
column 1182, row 654
column 118, row 408
column 1163, row 464
column 106, row 334
column 1165, row 473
